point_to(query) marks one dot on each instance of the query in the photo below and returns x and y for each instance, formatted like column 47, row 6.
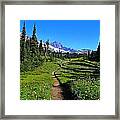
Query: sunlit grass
column 86, row 89
column 37, row 84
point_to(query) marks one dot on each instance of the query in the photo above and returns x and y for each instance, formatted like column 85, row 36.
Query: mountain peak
column 57, row 44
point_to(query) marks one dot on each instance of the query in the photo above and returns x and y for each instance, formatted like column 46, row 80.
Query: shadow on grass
column 83, row 64
column 66, row 90
column 67, row 94
column 96, row 71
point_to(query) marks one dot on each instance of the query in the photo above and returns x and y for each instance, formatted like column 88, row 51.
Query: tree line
column 32, row 52
column 95, row 55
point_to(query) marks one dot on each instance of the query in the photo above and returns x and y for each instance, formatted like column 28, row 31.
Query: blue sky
column 76, row 34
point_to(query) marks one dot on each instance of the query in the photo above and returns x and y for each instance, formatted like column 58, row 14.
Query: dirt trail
column 56, row 92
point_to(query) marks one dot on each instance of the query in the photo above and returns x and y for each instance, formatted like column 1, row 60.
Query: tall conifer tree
column 34, row 43
column 98, row 53
column 34, row 34
column 22, row 43
column 40, row 47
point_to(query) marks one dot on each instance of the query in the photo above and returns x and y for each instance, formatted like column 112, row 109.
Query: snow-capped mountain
column 57, row 44
column 58, row 47
column 62, row 48
column 51, row 48
column 84, row 51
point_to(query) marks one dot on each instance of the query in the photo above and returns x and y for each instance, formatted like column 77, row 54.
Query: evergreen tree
column 47, row 43
column 34, row 34
column 44, row 49
column 27, row 48
column 92, row 55
column 67, row 54
column 47, row 46
column 34, row 43
column 25, row 51
column 23, row 34
column 40, row 47
column 98, row 53
column 22, row 43
column 88, row 54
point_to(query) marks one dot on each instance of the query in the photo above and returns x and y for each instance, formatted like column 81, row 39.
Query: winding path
column 56, row 92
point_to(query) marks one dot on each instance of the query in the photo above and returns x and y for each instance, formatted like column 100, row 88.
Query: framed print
column 60, row 60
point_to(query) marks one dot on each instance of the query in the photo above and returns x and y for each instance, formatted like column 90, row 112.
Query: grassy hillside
column 81, row 78
column 36, row 85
